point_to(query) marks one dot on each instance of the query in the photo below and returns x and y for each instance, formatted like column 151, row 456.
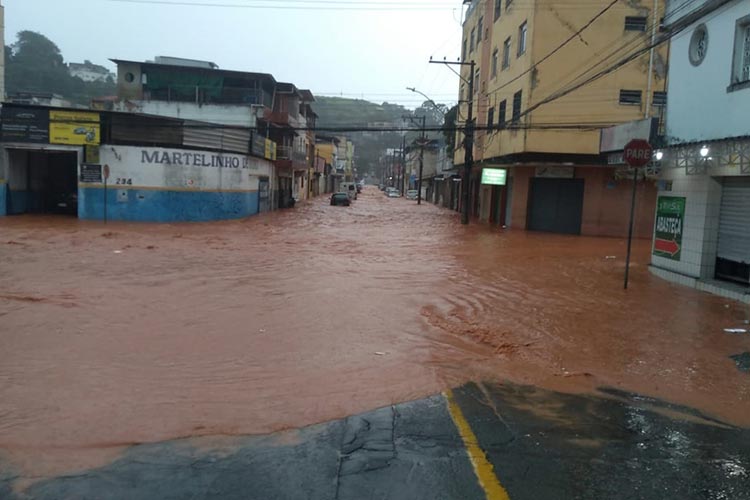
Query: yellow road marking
column 482, row 467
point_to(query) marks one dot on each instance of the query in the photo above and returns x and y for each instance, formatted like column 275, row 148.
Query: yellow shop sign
column 77, row 128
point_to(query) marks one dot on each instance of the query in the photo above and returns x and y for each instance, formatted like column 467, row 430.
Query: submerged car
column 411, row 194
column 393, row 194
column 340, row 199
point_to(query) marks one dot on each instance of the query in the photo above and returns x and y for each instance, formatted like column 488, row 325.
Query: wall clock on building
column 698, row 45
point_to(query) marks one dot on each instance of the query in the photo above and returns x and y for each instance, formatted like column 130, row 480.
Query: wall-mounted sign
column 270, row 153
column 555, row 172
column 494, row 176
column 670, row 215
column 91, row 154
column 76, row 128
column 25, row 125
column 91, row 173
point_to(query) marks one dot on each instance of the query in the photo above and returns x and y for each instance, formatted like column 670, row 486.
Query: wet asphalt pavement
column 540, row 444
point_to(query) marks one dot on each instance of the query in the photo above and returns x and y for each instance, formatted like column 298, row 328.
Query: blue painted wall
column 3, row 198
column 148, row 205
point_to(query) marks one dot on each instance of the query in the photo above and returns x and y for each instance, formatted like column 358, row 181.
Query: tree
column 35, row 64
column 449, row 128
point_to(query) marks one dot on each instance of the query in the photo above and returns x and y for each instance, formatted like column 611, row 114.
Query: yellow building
column 527, row 52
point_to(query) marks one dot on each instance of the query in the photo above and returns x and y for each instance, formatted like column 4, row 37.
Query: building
column 702, row 230
column 526, row 53
column 290, row 122
column 326, row 151
column 39, row 99
column 90, row 72
column 200, row 90
column 122, row 166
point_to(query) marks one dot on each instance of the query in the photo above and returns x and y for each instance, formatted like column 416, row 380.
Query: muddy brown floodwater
column 118, row 334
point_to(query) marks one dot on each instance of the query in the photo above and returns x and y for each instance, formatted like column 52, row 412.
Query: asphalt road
column 492, row 441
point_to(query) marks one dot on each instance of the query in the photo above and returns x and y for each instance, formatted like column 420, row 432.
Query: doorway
column 556, row 205
column 42, row 182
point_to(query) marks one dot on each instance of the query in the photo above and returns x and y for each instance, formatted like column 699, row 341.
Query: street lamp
column 433, row 103
column 659, row 155
column 704, row 151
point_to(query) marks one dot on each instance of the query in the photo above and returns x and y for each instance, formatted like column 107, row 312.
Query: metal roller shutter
column 733, row 254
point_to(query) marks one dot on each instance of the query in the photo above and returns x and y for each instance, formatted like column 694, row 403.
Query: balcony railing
column 289, row 153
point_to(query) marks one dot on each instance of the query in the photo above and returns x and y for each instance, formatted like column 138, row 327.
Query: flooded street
column 119, row 334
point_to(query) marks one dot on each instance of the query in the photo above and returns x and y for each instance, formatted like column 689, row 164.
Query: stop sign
column 637, row 153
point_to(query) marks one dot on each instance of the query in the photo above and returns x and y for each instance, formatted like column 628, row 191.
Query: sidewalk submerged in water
column 133, row 333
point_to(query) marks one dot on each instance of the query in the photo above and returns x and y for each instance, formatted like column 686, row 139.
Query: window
column 660, row 99
column 480, row 30
column 698, row 45
column 507, row 4
column 635, row 23
column 630, row 97
column 498, row 8
column 477, row 78
column 494, row 63
column 517, row 106
column 490, row 117
column 463, row 51
column 471, row 41
column 522, row 31
column 501, row 113
column 741, row 66
column 506, row 53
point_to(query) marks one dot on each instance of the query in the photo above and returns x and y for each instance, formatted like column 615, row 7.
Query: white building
column 702, row 229
column 90, row 72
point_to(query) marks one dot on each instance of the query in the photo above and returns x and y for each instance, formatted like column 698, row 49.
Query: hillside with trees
column 34, row 64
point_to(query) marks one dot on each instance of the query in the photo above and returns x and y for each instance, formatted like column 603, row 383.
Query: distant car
column 359, row 188
column 390, row 189
column 340, row 199
column 350, row 188
column 393, row 194
column 412, row 194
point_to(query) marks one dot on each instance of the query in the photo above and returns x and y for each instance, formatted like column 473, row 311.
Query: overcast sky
column 329, row 46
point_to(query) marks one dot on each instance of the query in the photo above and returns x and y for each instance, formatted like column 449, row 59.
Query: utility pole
column 422, row 141
column 469, row 137
column 403, row 163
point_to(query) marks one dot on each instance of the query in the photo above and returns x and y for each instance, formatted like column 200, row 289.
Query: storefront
column 702, row 230
column 55, row 161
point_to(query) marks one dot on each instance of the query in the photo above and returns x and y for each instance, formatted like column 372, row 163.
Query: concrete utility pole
column 422, row 141
column 469, row 138
column 403, row 164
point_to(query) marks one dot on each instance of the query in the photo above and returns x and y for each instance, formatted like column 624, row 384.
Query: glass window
column 506, row 53
column 635, row 23
column 480, row 28
column 522, row 32
column 498, row 8
column 490, row 117
column 517, row 106
column 493, row 67
column 502, row 113
column 471, row 40
column 630, row 97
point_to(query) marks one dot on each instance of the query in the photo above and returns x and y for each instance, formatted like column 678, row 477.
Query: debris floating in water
column 735, row 330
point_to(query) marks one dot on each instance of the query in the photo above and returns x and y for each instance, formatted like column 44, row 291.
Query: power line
column 558, row 48
column 182, row 3
column 622, row 62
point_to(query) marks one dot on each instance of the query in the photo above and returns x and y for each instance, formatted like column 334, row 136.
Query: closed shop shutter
column 556, row 205
column 733, row 255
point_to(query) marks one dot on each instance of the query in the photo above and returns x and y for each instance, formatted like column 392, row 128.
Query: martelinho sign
column 670, row 216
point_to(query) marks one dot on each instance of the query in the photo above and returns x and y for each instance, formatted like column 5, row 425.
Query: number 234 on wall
column 124, row 181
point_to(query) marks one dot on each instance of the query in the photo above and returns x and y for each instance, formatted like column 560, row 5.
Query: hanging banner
column 670, row 215
column 76, row 128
